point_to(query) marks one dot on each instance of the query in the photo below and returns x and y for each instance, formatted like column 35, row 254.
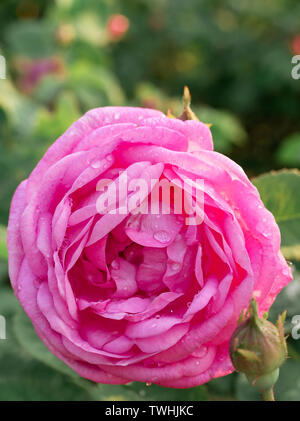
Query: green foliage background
column 62, row 60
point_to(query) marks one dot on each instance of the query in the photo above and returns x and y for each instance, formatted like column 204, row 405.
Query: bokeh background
column 64, row 57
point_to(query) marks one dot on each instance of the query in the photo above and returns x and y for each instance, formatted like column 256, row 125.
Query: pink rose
column 123, row 297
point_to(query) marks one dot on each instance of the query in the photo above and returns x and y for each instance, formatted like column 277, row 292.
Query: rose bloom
column 123, row 297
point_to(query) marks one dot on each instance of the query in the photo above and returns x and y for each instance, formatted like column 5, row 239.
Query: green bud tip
column 187, row 113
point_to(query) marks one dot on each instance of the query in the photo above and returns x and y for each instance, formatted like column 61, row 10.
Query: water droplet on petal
column 188, row 304
column 199, row 353
column 115, row 265
column 157, row 316
column 175, row 266
column 162, row 236
column 266, row 234
column 285, row 272
column 96, row 164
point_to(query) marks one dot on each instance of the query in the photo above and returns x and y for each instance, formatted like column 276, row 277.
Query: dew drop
column 188, row 304
column 96, row 164
column 175, row 266
column 148, row 384
column 266, row 234
column 162, row 236
column 157, row 316
column 199, row 353
column 285, row 272
column 115, row 265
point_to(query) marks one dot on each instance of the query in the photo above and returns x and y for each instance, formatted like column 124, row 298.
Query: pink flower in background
column 140, row 297
column 31, row 72
column 295, row 44
column 117, row 26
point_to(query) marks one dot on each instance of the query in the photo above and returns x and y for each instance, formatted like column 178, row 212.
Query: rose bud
column 258, row 348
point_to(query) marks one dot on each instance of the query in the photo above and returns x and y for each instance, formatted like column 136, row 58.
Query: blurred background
column 64, row 57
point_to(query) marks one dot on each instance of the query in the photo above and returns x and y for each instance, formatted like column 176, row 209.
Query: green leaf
column 226, row 128
column 30, row 341
column 94, row 86
column 288, row 298
column 3, row 246
column 288, row 386
column 289, row 151
column 222, row 388
column 31, row 38
column 24, row 378
column 280, row 193
column 52, row 124
column 8, row 301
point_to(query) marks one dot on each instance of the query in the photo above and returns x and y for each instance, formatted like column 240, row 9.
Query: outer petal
column 14, row 239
